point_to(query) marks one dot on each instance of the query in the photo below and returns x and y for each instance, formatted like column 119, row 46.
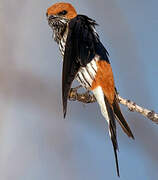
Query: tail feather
column 110, row 112
column 107, row 112
column 121, row 119
column 112, row 132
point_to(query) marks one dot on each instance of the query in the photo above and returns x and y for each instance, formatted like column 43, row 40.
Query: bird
column 86, row 60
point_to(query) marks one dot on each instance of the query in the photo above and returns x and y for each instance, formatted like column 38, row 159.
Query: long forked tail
column 109, row 115
column 110, row 112
column 121, row 119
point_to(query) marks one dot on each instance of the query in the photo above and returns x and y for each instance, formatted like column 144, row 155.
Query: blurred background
column 36, row 143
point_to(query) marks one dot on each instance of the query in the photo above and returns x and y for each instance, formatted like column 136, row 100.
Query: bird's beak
column 50, row 17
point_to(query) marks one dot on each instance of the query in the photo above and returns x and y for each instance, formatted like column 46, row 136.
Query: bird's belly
column 86, row 75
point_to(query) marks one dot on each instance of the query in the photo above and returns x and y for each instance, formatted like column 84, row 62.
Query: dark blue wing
column 82, row 45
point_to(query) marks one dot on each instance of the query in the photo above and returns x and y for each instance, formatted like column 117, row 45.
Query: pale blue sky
column 36, row 143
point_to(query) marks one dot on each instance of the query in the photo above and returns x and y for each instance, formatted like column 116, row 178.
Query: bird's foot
column 86, row 97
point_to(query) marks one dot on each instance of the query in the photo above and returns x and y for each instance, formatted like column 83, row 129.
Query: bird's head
column 60, row 14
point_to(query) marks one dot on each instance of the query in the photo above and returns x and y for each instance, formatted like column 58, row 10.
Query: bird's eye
column 62, row 13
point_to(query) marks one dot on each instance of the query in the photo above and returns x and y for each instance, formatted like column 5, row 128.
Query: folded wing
column 82, row 45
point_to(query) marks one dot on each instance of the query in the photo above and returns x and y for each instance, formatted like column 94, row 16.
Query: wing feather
column 82, row 45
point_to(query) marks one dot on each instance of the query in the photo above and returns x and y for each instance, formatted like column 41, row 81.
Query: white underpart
column 88, row 80
column 91, row 71
column 93, row 64
column 81, row 80
column 87, row 74
column 99, row 95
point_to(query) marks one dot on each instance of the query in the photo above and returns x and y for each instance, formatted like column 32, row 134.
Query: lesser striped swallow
column 86, row 59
